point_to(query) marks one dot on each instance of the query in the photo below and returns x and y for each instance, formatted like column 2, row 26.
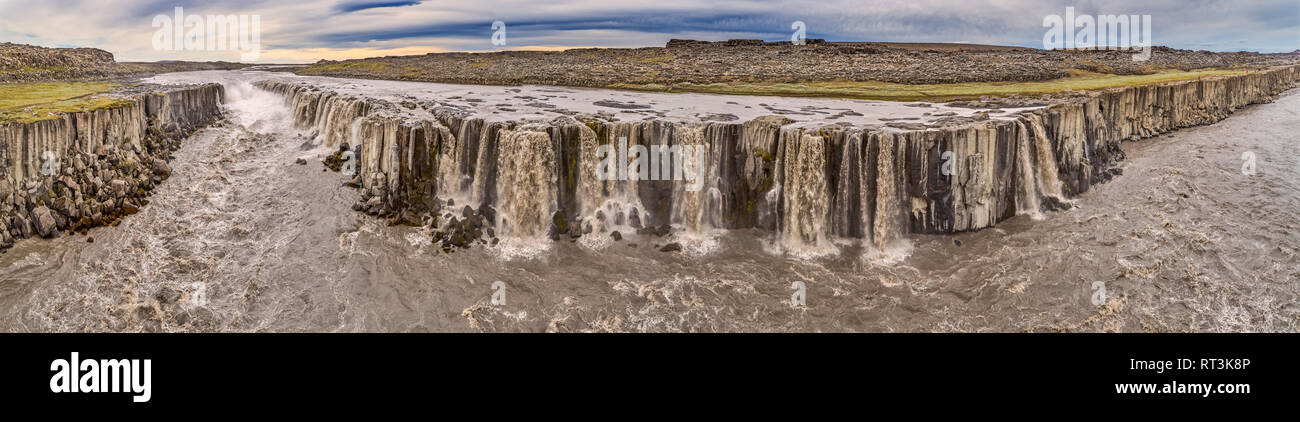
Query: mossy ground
column 346, row 66
column 1079, row 81
column 25, row 103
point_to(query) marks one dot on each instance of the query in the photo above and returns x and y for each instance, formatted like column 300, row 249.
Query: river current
column 242, row 238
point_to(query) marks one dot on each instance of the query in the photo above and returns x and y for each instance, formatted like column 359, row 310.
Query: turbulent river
column 242, row 238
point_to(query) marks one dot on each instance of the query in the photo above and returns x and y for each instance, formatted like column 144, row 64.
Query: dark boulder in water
column 168, row 295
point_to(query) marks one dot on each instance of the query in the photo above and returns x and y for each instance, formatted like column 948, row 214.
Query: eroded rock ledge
column 808, row 184
column 99, row 165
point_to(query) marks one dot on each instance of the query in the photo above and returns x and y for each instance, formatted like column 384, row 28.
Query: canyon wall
column 90, row 168
column 808, row 185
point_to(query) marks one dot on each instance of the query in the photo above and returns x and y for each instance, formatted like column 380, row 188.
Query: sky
column 304, row 31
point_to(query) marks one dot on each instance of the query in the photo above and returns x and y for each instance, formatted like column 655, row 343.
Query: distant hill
column 720, row 66
column 27, row 63
column 20, row 63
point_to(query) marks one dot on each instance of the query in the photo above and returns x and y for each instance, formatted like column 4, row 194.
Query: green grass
column 347, row 66
column 662, row 58
column 1079, row 81
column 29, row 69
column 25, row 103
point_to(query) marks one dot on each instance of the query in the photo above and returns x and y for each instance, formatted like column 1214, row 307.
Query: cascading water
column 886, row 226
column 525, row 189
column 1036, row 169
column 847, row 221
column 697, row 200
column 486, row 168
column 845, row 182
column 1048, row 182
column 613, row 203
column 803, row 227
column 459, row 173
column 1027, row 187
column 253, row 108
column 692, row 198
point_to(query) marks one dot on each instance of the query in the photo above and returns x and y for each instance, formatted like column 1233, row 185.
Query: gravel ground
column 757, row 61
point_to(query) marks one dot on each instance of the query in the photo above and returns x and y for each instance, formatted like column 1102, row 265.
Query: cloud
column 353, row 6
column 304, row 31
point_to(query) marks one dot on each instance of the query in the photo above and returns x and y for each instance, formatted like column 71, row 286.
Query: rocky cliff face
column 89, row 168
column 28, row 63
column 810, row 185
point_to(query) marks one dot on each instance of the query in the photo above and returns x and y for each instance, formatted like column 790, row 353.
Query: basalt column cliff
column 83, row 169
column 808, row 184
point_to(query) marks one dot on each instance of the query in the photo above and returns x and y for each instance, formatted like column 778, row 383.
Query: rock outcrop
column 21, row 63
column 29, row 63
column 90, row 168
column 807, row 184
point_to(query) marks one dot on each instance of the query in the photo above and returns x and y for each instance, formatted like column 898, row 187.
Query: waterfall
column 526, row 188
column 888, row 203
column 803, row 228
column 695, row 209
column 614, row 203
column 1027, row 201
column 457, row 160
column 1048, row 182
column 867, row 185
column 486, row 166
column 848, row 203
column 591, row 190
column 1036, row 170
column 811, row 185
column 340, row 117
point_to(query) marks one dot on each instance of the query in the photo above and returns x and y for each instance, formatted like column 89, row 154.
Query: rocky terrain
column 90, row 168
column 21, row 63
column 697, row 62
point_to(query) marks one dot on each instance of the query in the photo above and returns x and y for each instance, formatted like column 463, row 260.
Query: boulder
column 163, row 170
column 46, row 226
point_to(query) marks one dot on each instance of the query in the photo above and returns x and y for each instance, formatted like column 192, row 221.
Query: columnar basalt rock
column 90, row 168
column 809, row 184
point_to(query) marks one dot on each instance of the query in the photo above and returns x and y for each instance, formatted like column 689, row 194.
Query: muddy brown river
column 242, row 238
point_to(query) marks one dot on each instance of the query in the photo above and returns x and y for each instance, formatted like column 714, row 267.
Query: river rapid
column 241, row 238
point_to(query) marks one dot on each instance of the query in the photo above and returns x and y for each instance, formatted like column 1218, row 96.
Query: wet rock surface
column 335, row 161
column 463, row 231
